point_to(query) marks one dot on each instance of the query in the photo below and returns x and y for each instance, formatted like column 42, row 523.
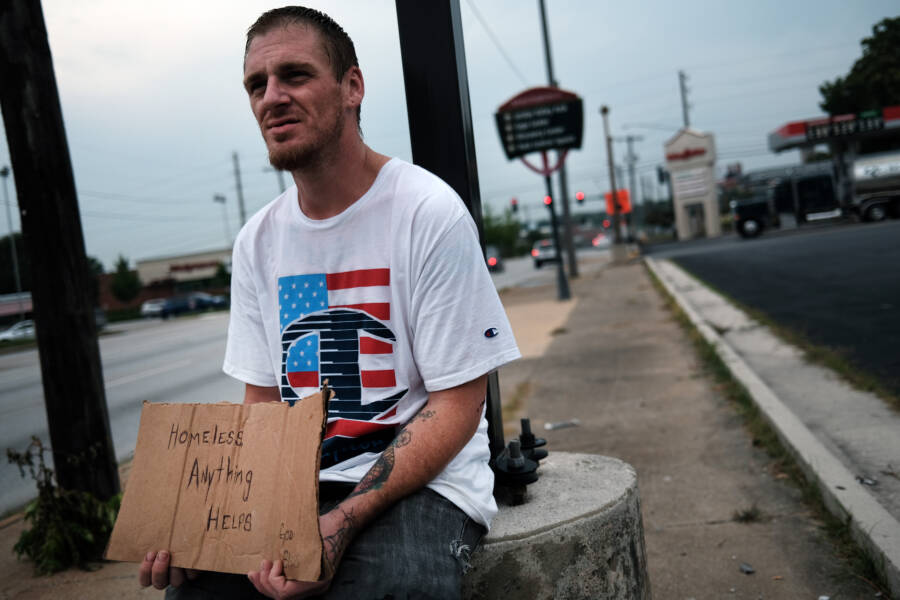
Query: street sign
column 623, row 202
column 540, row 119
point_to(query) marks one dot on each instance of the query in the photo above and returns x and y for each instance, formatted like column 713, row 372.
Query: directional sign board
column 540, row 119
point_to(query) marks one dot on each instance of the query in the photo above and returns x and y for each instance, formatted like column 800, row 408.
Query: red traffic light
column 579, row 197
column 606, row 223
column 548, row 200
column 514, row 203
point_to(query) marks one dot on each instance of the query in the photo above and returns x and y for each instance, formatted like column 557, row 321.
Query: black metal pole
column 563, row 179
column 440, row 122
column 562, row 285
column 51, row 226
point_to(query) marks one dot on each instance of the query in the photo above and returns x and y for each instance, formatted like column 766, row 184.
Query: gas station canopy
column 803, row 134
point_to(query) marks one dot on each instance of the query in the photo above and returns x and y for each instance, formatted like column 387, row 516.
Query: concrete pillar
column 579, row 535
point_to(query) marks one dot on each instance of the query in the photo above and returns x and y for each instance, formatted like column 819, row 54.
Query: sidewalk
column 615, row 359
column 625, row 369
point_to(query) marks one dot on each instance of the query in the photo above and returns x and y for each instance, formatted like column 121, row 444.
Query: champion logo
column 491, row 332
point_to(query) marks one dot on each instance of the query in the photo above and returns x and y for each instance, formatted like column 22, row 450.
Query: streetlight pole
column 4, row 173
column 604, row 110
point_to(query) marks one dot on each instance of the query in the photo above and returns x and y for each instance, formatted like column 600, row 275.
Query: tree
column 95, row 268
column 125, row 284
column 874, row 80
column 502, row 232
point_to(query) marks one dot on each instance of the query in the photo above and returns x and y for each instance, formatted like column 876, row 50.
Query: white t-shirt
column 389, row 300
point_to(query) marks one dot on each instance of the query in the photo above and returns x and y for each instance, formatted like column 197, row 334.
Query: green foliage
column 503, row 232
column 659, row 214
column 874, row 80
column 222, row 278
column 125, row 284
column 67, row 527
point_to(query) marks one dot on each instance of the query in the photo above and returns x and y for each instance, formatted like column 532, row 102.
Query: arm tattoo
column 337, row 542
column 381, row 470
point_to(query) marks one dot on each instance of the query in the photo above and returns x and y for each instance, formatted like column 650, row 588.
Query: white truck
column 876, row 186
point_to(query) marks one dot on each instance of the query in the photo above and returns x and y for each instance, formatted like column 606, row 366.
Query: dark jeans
column 419, row 548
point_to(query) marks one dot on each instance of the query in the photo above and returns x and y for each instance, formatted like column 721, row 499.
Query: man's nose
column 275, row 93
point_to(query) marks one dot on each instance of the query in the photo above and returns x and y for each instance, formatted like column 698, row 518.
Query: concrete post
column 579, row 535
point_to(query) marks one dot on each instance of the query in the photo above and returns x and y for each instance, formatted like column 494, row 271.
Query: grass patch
column 860, row 563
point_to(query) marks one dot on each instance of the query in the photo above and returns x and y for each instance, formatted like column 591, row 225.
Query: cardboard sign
column 224, row 486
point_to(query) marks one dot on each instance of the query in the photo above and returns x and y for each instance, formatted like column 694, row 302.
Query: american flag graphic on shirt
column 333, row 327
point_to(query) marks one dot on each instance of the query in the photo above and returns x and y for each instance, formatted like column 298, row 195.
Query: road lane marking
column 149, row 373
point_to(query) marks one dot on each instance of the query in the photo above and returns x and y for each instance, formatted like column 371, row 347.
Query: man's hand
column 155, row 571
column 338, row 527
column 270, row 580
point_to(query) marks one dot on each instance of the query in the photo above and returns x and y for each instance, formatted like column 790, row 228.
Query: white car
column 23, row 330
column 542, row 252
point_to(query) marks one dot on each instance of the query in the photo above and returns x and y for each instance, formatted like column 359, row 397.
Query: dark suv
column 754, row 213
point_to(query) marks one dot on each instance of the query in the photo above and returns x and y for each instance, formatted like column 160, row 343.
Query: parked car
column 204, row 301
column 493, row 259
column 167, row 307
column 23, row 330
column 543, row 251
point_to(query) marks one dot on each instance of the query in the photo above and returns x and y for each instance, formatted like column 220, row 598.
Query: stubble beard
column 299, row 157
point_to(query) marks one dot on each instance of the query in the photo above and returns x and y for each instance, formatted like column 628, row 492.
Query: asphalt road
column 158, row 361
column 837, row 285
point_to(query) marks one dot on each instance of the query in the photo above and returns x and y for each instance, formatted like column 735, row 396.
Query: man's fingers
column 159, row 574
column 144, row 569
column 260, row 579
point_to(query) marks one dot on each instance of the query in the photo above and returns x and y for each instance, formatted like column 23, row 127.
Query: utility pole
column 221, row 199
column 682, row 84
column 71, row 371
column 610, row 161
column 240, row 188
column 631, row 160
column 4, row 173
column 563, row 179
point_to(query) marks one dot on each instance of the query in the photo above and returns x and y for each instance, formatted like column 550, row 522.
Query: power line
column 496, row 42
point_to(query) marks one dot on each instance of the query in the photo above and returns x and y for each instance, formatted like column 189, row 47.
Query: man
column 368, row 274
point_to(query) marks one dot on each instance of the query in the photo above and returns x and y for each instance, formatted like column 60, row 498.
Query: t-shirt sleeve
column 460, row 327
column 246, row 352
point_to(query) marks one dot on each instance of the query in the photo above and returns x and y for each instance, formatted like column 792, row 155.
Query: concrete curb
column 873, row 527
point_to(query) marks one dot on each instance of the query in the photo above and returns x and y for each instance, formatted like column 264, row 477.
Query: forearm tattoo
column 381, row 470
column 338, row 541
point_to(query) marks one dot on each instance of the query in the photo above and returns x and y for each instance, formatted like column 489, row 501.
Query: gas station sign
column 540, row 119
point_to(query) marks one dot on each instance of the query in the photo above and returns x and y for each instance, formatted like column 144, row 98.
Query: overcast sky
column 153, row 104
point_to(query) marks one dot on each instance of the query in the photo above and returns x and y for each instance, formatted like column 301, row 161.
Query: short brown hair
column 337, row 44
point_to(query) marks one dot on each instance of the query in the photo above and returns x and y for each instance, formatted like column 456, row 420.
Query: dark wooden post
column 51, row 227
column 440, row 120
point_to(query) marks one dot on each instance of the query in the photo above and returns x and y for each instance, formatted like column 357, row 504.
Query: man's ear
column 354, row 87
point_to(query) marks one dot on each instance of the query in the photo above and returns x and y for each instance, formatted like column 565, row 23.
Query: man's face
column 295, row 98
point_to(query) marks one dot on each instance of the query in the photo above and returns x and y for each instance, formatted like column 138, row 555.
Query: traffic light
column 514, row 204
column 606, row 223
column 661, row 174
column 579, row 197
column 548, row 200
